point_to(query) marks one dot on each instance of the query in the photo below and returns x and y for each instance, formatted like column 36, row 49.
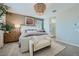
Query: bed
column 33, row 40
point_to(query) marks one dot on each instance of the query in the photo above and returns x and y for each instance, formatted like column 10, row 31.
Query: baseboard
column 67, row 42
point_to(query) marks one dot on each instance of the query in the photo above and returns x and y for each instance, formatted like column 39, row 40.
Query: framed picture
column 29, row 21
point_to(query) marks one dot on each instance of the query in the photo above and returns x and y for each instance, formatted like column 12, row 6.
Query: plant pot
column 7, row 31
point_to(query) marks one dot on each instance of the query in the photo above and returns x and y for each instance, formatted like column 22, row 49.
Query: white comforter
column 35, row 39
column 24, row 41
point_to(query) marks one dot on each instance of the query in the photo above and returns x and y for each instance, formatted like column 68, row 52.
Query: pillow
column 40, row 31
column 31, row 31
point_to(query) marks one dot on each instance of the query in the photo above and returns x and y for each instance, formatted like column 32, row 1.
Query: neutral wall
column 65, row 25
column 15, row 19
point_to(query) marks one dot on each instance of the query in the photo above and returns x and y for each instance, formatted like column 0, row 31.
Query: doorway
column 53, row 26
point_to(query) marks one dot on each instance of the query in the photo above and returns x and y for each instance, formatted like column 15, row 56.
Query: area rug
column 12, row 49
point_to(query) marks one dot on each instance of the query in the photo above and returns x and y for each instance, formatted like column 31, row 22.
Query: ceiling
column 27, row 9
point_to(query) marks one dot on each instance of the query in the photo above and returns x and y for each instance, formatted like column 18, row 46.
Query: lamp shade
column 40, row 8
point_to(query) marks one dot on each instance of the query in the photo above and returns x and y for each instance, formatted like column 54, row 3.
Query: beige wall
column 15, row 19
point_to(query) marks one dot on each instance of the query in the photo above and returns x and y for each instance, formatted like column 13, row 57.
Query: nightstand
column 12, row 36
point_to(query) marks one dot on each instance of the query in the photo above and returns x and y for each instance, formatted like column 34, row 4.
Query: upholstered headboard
column 38, row 25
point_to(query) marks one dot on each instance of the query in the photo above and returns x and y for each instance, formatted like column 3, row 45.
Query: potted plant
column 2, row 26
column 3, row 9
column 9, row 27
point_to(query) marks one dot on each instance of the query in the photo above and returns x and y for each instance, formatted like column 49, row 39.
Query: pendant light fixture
column 40, row 8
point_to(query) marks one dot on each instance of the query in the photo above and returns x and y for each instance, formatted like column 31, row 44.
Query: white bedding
column 34, row 38
column 24, row 41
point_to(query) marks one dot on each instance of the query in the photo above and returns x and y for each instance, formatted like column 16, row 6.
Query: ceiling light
column 40, row 8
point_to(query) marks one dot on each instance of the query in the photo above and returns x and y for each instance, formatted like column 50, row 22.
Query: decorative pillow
column 31, row 31
column 40, row 31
